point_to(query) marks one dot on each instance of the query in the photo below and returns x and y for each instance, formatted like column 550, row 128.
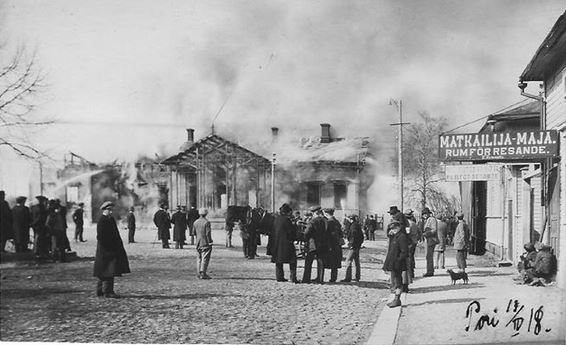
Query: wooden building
column 215, row 172
column 320, row 170
column 548, row 66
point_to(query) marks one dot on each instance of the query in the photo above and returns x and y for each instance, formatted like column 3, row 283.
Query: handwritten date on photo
column 514, row 311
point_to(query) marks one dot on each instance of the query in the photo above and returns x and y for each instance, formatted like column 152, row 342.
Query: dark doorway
column 479, row 210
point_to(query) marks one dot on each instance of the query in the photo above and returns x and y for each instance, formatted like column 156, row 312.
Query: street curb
column 385, row 329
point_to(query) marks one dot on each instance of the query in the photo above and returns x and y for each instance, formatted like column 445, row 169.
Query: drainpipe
column 547, row 162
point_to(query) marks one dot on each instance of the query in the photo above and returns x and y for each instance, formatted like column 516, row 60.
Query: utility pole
column 273, row 162
column 399, row 105
column 40, row 177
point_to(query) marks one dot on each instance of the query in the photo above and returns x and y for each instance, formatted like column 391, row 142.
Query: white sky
column 291, row 64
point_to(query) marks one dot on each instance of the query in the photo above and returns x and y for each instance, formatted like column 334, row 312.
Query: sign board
column 499, row 146
column 473, row 172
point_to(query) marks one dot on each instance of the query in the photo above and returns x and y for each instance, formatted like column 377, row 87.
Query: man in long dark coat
column 396, row 259
column 6, row 226
column 179, row 220
column 41, row 234
column 315, row 237
column 334, row 234
column 283, row 246
column 111, row 259
column 162, row 221
column 22, row 222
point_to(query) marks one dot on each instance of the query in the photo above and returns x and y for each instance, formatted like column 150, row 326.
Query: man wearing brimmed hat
column 283, row 244
column 431, row 236
column 179, row 220
column 79, row 222
column 162, row 221
column 204, row 243
column 315, row 237
column 22, row 221
column 110, row 260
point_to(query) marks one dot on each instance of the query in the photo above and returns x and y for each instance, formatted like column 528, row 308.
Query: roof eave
column 535, row 70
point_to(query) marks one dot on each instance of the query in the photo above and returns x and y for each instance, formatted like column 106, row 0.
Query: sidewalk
column 492, row 308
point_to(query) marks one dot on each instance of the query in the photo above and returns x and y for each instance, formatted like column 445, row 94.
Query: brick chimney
column 274, row 133
column 190, row 135
column 325, row 133
column 190, row 140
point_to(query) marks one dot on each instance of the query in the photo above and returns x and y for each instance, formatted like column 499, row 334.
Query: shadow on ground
column 443, row 301
column 447, row 287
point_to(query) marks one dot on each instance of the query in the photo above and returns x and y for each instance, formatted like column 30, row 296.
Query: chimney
column 190, row 135
column 325, row 133
column 274, row 133
column 190, row 140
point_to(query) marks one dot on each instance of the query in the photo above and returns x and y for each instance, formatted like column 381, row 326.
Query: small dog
column 457, row 276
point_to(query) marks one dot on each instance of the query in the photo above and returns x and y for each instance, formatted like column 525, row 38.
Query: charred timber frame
column 212, row 152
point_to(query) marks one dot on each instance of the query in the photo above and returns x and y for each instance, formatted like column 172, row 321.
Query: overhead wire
column 483, row 117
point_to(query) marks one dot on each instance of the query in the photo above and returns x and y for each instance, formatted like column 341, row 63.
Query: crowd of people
column 47, row 218
column 317, row 235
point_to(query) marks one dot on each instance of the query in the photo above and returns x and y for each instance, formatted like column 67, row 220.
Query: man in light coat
column 430, row 234
column 203, row 243
column 461, row 242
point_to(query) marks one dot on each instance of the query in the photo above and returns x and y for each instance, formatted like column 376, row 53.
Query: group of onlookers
column 182, row 220
column 405, row 233
column 323, row 238
column 47, row 218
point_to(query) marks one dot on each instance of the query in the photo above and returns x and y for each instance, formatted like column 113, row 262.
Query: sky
column 125, row 78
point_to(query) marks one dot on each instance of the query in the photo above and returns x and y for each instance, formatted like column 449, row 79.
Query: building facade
column 548, row 66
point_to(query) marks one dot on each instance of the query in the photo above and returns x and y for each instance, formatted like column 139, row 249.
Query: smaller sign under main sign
column 498, row 146
column 473, row 172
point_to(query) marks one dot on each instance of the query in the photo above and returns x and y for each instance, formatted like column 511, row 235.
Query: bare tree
column 421, row 164
column 21, row 81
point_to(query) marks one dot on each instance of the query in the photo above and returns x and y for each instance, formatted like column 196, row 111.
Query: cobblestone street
column 164, row 302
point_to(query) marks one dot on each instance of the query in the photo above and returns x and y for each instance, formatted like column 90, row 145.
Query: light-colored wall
column 555, row 90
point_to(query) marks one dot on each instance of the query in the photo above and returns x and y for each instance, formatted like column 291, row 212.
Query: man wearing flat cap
column 162, row 221
column 315, row 238
column 431, row 236
column 79, row 222
column 203, row 243
column 283, row 246
column 110, row 260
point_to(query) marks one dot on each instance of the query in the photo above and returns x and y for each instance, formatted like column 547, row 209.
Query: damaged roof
column 550, row 55
column 215, row 149
column 312, row 149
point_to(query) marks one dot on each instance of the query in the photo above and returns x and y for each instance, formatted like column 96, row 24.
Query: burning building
column 319, row 170
column 140, row 184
